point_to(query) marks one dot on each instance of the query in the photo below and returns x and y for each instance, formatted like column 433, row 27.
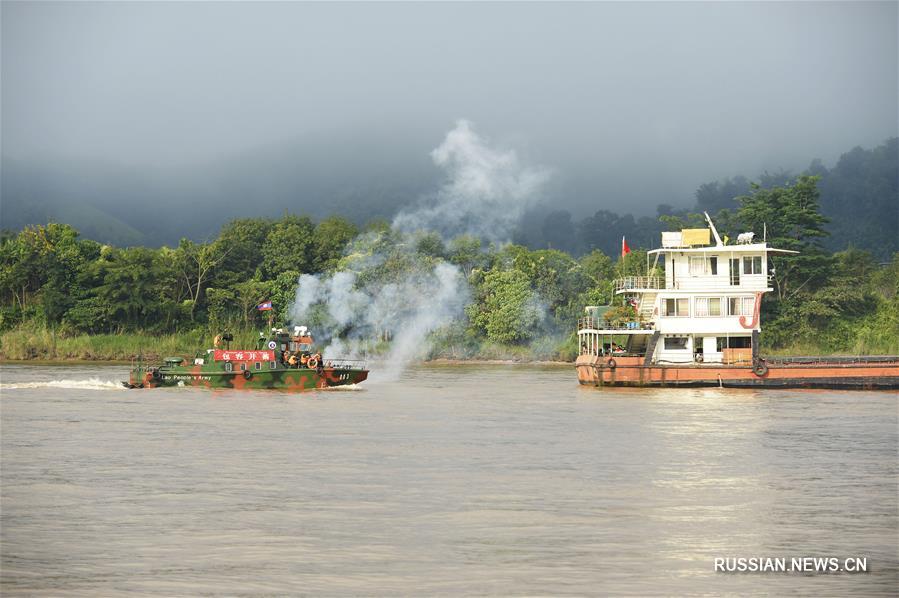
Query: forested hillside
column 515, row 300
column 859, row 196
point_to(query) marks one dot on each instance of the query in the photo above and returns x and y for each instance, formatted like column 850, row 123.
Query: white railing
column 639, row 282
column 590, row 323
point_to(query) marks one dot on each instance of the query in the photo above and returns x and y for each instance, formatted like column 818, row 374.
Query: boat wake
column 89, row 384
column 344, row 387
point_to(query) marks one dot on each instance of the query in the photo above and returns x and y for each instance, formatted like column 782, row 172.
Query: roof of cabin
column 742, row 248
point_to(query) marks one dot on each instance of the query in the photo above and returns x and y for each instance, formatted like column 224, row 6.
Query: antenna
column 714, row 230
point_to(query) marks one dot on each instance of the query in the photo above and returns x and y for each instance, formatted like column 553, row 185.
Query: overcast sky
column 640, row 101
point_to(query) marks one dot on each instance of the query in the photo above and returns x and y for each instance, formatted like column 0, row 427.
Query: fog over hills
column 145, row 122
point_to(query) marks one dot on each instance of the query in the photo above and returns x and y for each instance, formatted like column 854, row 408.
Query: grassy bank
column 26, row 343
column 34, row 343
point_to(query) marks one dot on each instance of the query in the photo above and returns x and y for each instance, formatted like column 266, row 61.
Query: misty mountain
column 360, row 178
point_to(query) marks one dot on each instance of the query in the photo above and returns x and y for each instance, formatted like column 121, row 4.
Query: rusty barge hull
column 633, row 372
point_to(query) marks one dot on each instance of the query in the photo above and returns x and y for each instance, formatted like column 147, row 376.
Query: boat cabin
column 698, row 303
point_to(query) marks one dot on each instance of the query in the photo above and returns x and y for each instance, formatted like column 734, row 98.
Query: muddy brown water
column 451, row 480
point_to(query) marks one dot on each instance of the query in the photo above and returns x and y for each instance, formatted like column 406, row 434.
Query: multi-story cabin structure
column 695, row 319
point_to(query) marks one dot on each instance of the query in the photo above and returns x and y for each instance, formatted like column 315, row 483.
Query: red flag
column 624, row 248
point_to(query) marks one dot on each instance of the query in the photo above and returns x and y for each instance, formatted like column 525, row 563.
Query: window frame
column 686, row 340
column 745, row 300
column 707, row 301
column 752, row 264
column 701, row 268
column 677, row 303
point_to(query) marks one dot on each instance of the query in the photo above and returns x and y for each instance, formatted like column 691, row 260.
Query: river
column 452, row 480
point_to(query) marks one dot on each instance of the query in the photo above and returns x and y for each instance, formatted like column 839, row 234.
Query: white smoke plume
column 485, row 193
column 387, row 296
column 354, row 317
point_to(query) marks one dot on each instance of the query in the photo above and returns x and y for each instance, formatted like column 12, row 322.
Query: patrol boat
column 694, row 320
column 282, row 360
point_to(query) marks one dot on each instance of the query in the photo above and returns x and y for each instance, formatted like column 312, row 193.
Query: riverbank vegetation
column 66, row 297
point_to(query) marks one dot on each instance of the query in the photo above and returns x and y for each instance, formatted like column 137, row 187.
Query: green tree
column 220, row 308
column 248, row 295
column 288, row 246
column 465, row 252
column 329, row 241
column 557, row 278
column 196, row 264
column 598, row 266
column 129, row 288
column 600, row 270
column 505, row 308
column 793, row 222
column 430, row 244
column 243, row 240
column 282, row 292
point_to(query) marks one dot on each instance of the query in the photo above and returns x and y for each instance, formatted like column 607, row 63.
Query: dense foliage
column 52, row 279
column 859, row 198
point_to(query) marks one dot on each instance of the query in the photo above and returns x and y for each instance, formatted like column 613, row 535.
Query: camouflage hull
column 281, row 378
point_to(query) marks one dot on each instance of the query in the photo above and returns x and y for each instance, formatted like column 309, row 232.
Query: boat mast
column 714, row 230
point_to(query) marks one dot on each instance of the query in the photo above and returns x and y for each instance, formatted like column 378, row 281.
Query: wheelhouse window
column 740, row 306
column 677, row 307
column 272, row 365
column 702, row 266
column 257, row 365
column 734, row 342
column 707, row 306
column 243, row 367
column 229, row 366
column 675, row 343
column 697, row 266
column 752, row 264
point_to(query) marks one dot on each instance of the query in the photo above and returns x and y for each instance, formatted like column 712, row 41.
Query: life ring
column 312, row 363
column 611, row 363
column 272, row 344
column 247, row 374
column 156, row 374
column 760, row 369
